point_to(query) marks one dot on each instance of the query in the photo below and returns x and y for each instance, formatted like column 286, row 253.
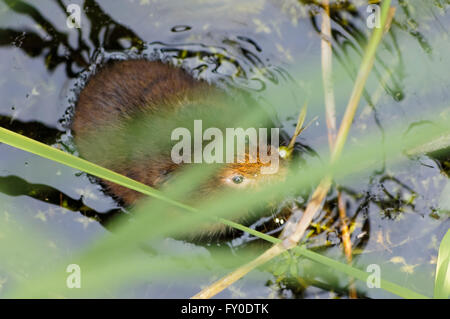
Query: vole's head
column 250, row 174
column 253, row 171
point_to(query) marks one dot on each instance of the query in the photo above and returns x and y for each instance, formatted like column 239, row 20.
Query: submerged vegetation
column 356, row 201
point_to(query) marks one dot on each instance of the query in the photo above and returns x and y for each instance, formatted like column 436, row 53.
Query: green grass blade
column 51, row 153
column 442, row 281
column 360, row 274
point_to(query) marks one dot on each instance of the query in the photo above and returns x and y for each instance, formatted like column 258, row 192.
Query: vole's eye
column 237, row 179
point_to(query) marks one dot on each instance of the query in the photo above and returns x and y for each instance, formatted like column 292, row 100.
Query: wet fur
column 125, row 90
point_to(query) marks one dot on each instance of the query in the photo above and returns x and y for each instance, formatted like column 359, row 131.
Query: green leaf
column 293, row 269
column 442, row 281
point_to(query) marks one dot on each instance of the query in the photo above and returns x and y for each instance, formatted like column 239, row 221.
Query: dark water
column 397, row 212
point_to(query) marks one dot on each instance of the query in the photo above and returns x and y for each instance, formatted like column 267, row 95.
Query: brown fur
column 126, row 90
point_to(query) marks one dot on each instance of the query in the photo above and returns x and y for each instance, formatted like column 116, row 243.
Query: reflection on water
column 259, row 46
column 15, row 186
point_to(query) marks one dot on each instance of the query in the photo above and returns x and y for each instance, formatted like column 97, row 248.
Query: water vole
column 124, row 116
